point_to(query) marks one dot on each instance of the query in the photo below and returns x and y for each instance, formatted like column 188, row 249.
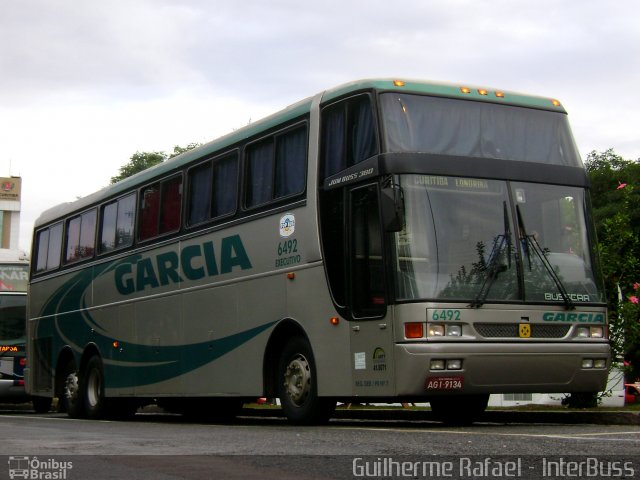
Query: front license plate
column 444, row 383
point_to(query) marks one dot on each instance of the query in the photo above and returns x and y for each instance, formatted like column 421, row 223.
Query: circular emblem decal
column 287, row 225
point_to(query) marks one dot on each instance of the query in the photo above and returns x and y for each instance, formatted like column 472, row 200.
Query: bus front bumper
column 440, row 368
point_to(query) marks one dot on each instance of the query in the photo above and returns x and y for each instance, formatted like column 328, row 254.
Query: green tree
column 178, row 150
column 140, row 161
column 615, row 196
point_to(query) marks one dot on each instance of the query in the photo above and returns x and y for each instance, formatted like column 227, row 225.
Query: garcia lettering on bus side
column 195, row 262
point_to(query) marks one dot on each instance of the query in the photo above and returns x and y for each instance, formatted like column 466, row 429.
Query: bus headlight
column 582, row 332
column 435, row 330
column 599, row 363
column 440, row 330
column 589, row 332
column 596, row 332
column 454, row 331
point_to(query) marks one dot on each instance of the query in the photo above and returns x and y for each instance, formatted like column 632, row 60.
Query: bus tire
column 70, row 399
column 459, row 409
column 92, row 388
column 297, row 385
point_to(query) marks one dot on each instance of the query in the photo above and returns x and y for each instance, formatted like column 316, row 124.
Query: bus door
column 371, row 325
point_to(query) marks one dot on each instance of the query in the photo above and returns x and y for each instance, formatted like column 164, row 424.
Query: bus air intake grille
column 511, row 330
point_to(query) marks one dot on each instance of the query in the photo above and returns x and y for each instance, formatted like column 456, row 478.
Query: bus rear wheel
column 70, row 399
column 297, row 385
column 91, row 388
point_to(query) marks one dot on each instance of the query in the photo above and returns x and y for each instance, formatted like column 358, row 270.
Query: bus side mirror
column 392, row 203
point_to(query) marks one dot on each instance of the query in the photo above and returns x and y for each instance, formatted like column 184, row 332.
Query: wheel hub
column 71, row 387
column 297, row 380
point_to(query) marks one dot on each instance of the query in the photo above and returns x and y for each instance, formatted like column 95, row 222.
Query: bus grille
column 510, row 330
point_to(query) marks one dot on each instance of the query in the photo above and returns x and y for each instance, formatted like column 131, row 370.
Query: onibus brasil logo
column 40, row 469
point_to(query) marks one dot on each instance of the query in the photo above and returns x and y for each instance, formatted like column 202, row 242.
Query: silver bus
column 382, row 241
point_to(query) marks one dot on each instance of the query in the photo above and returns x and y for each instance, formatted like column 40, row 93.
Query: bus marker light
column 555, row 103
column 291, row 275
column 398, row 83
column 22, row 362
column 500, row 94
column 413, row 330
column 334, row 321
column 465, row 89
column 482, row 91
column 115, row 344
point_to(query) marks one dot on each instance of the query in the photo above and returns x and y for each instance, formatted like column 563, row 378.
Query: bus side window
column 49, row 248
column 276, row 167
column 160, row 207
column 117, row 221
column 81, row 236
column 259, row 173
column 368, row 297
column 225, row 186
column 199, row 200
column 171, row 205
column 291, row 155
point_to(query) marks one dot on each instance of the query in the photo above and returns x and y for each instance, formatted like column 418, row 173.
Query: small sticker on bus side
column 360, row 361
column 287, row 225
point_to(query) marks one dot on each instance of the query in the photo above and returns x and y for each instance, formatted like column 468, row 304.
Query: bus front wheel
column 297, row 385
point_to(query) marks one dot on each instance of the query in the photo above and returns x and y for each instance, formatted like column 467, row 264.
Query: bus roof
column 291, row 112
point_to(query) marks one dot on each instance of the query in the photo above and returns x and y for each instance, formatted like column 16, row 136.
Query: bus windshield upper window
column 415, row 123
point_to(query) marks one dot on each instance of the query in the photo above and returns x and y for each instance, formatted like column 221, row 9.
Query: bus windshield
column 12, row 319
column 479, row 240
column 418, row 123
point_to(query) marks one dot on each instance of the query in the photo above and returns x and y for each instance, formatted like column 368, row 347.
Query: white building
column 10, row 190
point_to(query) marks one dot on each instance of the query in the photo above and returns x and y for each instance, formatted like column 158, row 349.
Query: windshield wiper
column 494, row 267
column 532, row 244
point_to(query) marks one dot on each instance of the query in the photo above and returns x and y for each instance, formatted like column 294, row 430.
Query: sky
column 85, row 85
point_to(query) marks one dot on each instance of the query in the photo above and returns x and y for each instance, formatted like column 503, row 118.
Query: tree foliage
column 140, row 161
column 615, row 196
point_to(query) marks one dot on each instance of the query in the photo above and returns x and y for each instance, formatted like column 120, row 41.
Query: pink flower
column 621, row 185
column 636, row 286
column 634, row 299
